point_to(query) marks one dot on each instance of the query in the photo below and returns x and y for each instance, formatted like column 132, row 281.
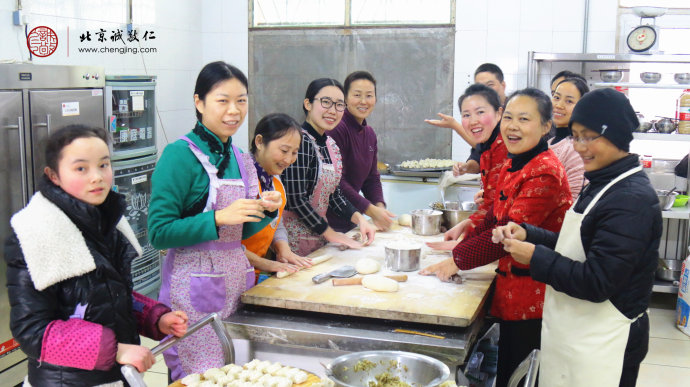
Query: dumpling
column 191, row 379
column 243, row 375
column 262, row 366
column 212, row 372
column 252, row 364
column 254, row 376
column 299, row 377
column 273, row 368
column 231, row 368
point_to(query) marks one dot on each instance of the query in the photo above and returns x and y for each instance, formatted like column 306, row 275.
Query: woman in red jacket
column 532, row 186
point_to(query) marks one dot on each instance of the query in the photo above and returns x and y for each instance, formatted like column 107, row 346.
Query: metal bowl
column 645, row 126
column 669, row 269
column 453, row 214
column 650, row 77
column 665, row 125
column 666, row 199
column 426, row 222
column 403, row 258
column 611, row 76
column 682, row 78
column 412, row 368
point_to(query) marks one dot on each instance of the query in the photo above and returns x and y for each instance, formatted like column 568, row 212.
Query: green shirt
column 178, row 183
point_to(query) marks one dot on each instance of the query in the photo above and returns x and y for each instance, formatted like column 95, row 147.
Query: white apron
column 582, row 342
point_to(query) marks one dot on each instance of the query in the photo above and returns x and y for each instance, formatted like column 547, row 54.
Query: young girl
column 277, row 138
column 204, row 190
column 600, row 267
column 358, row 146
column 312, row 181
column 68, row 272
column 532, row 187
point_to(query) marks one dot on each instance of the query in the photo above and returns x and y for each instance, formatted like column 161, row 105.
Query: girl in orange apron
column 312, row 181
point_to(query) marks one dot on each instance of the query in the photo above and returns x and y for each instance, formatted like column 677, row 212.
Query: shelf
column 676, row 213
column 664, row 287
column 133, row 114
column 631, row 85
column 644, row 58
column 661, row 136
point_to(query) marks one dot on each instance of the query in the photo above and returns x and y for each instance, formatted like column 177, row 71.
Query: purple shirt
column 358, row 148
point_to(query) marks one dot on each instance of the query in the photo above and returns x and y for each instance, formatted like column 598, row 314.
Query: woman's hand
column 173, row 323
column 458, row 231
column 285, row 255
column 519, row 250
column 276, row 266
column 367, row 230
column 340, row 238
column 511, row 230
column 240, row 211
column 382, row 218
column 271, row 200
column 459, row 168
column 443, row 270
column 447, row 121
column 446, row 245
column 140, row 357
column 479, row 197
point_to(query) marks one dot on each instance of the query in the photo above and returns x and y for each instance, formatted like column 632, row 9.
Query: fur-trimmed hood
column 54, row 248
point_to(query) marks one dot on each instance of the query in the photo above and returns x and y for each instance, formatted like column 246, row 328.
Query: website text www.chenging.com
column 117, row 50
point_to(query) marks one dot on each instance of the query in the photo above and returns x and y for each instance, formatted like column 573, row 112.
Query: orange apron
column 261, row 241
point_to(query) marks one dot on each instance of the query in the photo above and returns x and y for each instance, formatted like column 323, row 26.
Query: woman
column 312, row 181
column 532, row 186
column 481, row 114
column 203, row 191
column 358, row 147
column 69, row 279
column 277, row 138
column 600, row 267
column 564, row 98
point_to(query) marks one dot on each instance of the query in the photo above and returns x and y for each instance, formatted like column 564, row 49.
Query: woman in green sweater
column 204, row 191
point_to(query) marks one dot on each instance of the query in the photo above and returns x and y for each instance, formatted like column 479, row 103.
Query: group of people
column 573, row 280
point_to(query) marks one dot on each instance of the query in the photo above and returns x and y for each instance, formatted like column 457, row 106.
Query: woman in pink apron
column 311, row 183
column 204, row 190
column 599, row 269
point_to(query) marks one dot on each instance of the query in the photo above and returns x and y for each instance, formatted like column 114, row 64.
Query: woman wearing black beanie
column 599, row 269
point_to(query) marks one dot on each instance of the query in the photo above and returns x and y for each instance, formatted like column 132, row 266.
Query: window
column 318, row 13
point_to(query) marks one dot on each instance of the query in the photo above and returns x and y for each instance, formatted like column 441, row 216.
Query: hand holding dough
column 367, row 266
column 314, row 261
column 380, row 283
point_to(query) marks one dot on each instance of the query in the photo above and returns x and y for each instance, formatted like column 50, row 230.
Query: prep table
column 294, row 316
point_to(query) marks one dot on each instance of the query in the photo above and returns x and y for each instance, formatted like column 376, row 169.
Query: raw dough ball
column 244, row 375
column 273, row 368
column 405, row 220
column 225, row 380
column 254, row 376
column 212, row 373
column 367, row 266
column 252, row 364
column 299, row 377
column 191, row 379
column 380, row 283
column 231, row 369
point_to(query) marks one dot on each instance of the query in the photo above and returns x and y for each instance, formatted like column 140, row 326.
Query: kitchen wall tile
column 174, row 124
column 536, row 15
column 470, row 50
column 541, row 41
column 235, row 16
column 568, row 15
column 211, row 46
column 212, row 15
column 144, row 13
column 601, row 41
column 13, row 43
column 502, row 48
column 567, row 41
column 662, row 324
column 602, row 15
column 471, row 15
column 660, row 375
column 235, row 49
column 668, row 352
column 504, row 15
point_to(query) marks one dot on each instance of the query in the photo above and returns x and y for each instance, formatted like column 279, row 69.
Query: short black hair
column 566, row 74
column 355, row 76
column 64, row 136
column 578, row 82
column 490, row 68
column 544, row 105
column 485, row 91
column 274, row 126
column 316, row 85
column 214, row 73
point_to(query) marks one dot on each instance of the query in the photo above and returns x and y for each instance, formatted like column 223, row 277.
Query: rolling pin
column 358, row 280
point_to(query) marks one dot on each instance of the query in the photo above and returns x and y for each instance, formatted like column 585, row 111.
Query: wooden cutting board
column 422, row 299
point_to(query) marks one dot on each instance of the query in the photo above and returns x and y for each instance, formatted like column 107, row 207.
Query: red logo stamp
column 42, row 41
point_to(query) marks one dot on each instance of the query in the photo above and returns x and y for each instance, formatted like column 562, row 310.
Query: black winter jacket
column 107, row 290
column 620, row 236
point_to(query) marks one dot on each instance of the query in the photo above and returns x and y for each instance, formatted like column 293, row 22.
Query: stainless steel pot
column 671, row 271
column 682, row 78
column 426, row 222
column 650, row 77
column 358, row 369
column 403, row 258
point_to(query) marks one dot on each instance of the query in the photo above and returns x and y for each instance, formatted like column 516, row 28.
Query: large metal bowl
column 403, row 258
column 412, row 368
column 426, row 222
column 682, row 78
column 610, row 76
column 453, row 214
column 666, row 198
column 669, row 269
column 650, row 77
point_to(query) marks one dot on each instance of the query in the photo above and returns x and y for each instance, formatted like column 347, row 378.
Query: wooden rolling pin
column 358, row 280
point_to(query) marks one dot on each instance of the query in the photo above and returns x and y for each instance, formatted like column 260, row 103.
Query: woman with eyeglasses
column 312, row 181
column 599, row 269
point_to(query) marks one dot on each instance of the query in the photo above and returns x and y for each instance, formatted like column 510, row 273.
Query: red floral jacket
column 490, row 165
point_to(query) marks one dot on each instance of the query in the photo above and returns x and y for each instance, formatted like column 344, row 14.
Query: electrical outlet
column 18, row 18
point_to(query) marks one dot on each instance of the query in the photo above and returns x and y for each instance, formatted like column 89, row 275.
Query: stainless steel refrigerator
column 35, row 100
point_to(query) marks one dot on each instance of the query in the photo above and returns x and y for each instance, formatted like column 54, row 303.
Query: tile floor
column 667, row 364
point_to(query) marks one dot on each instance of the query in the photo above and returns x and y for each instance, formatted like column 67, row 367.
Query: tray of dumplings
column 256, row 373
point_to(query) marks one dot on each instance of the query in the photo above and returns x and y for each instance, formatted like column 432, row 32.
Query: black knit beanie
column 608, row 112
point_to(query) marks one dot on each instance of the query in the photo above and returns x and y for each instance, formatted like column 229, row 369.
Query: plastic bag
column 683, row 303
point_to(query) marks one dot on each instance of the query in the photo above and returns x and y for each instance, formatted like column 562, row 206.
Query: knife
column 358, row 280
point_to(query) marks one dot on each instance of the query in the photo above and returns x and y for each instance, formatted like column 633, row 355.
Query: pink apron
column 302, row 240
column 210, row 276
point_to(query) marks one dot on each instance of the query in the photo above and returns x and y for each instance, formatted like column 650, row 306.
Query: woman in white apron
column 312, row 181
column 204, row 190
column 599, row 270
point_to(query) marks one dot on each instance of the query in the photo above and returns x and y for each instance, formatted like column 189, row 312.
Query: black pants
column 517, row 340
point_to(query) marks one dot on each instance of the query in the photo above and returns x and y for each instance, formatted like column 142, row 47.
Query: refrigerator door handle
column 44, row 125
column 22, row 163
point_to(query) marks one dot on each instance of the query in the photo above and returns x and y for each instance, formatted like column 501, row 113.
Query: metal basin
column 672, row 270
column 411, row 368
column 610, row 76
column 682, row 78
column 403, row 258
column 426, row 222
column 666, row 199
column 650, row 77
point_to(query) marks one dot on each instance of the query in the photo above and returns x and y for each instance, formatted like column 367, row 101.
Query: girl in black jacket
column 599, row 269
column 73, row 310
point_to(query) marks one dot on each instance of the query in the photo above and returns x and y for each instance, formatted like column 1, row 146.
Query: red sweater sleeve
column 147, row 312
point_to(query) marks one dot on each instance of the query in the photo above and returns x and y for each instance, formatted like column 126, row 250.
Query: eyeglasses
column 326, row 103
column 584, row 140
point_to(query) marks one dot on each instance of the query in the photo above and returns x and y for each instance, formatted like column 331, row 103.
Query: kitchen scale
column 644, row 39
